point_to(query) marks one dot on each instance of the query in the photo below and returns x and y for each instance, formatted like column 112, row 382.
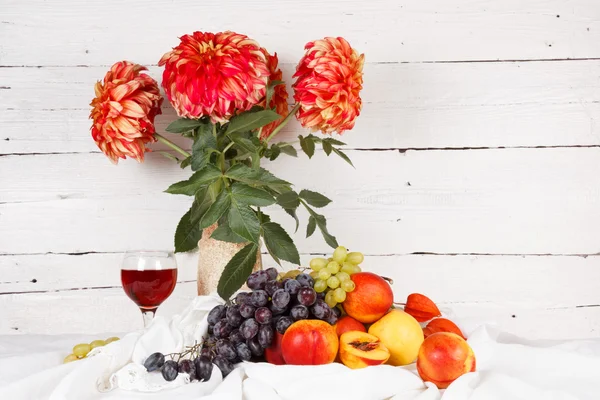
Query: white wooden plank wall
column 477, row 155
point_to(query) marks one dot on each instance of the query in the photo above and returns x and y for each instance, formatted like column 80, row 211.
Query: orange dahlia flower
column 329, row 80
column 215, row 75
column 123, row 111
column 279, row 100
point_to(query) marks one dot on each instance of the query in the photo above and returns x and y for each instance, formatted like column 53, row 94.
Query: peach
column 360, row 350
column 370, row 300
column 309, row 342
column 273, row 353
column 347, row 324
column 401, row 334
column 444, row 357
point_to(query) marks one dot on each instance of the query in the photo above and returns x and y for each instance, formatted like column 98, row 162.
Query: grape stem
column 389, row 280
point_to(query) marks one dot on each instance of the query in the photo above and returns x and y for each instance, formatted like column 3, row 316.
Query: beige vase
column 213, row 257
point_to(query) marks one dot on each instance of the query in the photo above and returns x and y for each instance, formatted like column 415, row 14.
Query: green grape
column 333, row 267
column 324, row 274
column 348, row 268
column 111, row 339
column 356, row 257
column 333, row 282
column 317, row 264
column 330, row 300
column 342, row 276
column 339, row 295
column 81, row 350
column 320, row 285
column 314, row 274
column 348, row 286
column 292, row 274
column 329, row 259
column 69, row 358
column 97, row 343
column 339, row 254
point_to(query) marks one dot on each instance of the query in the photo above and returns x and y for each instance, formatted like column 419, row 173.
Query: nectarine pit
column 364, row 346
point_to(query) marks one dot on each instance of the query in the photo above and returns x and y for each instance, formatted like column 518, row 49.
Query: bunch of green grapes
column 81, row 350
column 332, row 276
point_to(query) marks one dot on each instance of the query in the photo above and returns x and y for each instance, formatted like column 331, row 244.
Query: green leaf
column 292, row 213
column 314, row 199
column 260, row 177
column 203, row 145
column 186, row 162
column 225, row 234
column 288, row 200
column 187, row 234
column 307, row 145
column 243, row 221
column 271, row 90
column 275, row 152
column 189, row 187
column 182, row 125
column 327, row 147
column 216, row 210
column 289, row 150
column 202, row 202
column 333, row 141
column 251, row 196
column 244, row 143
column 312, row 225
column 321, row 222
column 250, row 120
column 279, row 243
column 237, row 271
column 343, row 155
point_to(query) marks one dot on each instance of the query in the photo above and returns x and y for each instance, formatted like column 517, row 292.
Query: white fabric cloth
column 508, row 367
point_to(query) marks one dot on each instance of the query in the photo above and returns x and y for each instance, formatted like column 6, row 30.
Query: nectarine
column 347, row 324
column 360, row 350
column 401, row 334
column 309, row 342
column 371, row 298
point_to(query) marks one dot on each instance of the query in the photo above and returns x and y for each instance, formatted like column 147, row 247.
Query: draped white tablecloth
column 508, row 367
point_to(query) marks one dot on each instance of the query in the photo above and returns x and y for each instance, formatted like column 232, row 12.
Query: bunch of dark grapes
column 197, row 366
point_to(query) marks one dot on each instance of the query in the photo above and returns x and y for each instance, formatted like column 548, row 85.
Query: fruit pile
column 81, row 350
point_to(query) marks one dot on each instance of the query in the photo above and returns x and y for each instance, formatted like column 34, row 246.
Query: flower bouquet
column 227, row 91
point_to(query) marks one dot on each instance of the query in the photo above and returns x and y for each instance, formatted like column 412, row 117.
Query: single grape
column 283, row 323
column 348, row 286
column 320, row 310
column 281, row 298
column 255, row 348
column 97, row 343
column 234, row 318
column 333, row 282
column 276, row 311
column 187, row 367
column 208, row 352
column 271, row 273
column 216, row 314
column 242, row 297
column 82, row 349
column 339, row 295
column 317, row 264
column 324, row 274
column 307, row 296
column 314, row 275
column 320, row 285
column 293, row 273
column 70, row 358
column 154, row 362
column 348, row 268
column 226, row 349
column 236, row 337
column 332, row 318
column 333, row 267
column 170, row 370
column 223, row 364
column 259, row 298
column 263, row 315
column 292, row 286
column 243, row 351
column 222, row 329
column 257, row 280
column 321, row 295
column 111, row 339
column 249, row 328
column 342, row 276
column 204, row 368
column 337, row 310
column 330, row 300
column 355, row 257
column 299, row 312
column 210, row 329
column 265, row 336
column 272, row 286
column 305, row 280
column 247, row 310
column 340, row 254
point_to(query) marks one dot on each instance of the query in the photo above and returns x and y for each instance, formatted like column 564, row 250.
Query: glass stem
column 148, row 316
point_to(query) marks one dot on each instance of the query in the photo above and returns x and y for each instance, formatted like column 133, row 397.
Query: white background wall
column 477, row 155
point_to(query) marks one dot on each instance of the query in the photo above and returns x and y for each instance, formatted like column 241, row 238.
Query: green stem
column 172, row 145
column 283, row 123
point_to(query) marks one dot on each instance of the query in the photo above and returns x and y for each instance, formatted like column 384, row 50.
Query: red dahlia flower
column 279, row 100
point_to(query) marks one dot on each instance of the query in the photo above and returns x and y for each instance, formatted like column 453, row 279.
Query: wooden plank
column 510, row 201
column 388, row 31
column 406, row 106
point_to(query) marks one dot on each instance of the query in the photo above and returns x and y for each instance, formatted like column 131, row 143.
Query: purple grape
column 307, row 296
column 255, row 348
column 187, row 367
column 204, row 368
column 283, row 323
column 208, row 352
column 281, row 298
column 299, row 312
column 247, row 310
column 306, row 280
column 210, row 329
column 257, row 280
column 226, row 349
column 222, row 329
column 321, row 296
column 243, row 351
column 224, row 365
column 234, row 318
column 259, row 298
column 265, row 336
column 236, row 337
column 216, row 314
column 292, row 287
column 320, row 310
column 263, row 315
column 241, row 298
column 276, row 310
column 337, row 311
column 154, row 362
column 332, row 318
column 249, row 328
column 272, row 273
column 170, row 370
column 272, row 286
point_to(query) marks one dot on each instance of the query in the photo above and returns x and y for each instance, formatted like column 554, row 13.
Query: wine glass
column 148, row 278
